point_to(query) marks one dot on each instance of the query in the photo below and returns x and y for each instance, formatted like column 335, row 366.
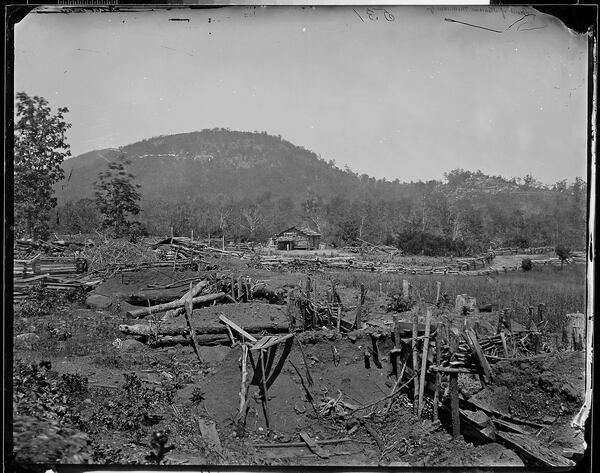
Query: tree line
column 466, row 213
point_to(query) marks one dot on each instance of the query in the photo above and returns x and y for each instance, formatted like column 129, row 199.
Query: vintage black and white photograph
column 301, row 236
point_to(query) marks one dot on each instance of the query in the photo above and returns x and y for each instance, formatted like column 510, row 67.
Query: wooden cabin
column 298, row 238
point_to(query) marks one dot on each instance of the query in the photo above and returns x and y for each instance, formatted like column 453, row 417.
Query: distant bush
column 526, row 264
column 564, row 253
column 427, row 244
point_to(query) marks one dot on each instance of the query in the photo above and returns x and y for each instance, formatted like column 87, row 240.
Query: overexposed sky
column 407, row 93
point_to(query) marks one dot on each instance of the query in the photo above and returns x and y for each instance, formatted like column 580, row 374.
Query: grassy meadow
column 562, row 290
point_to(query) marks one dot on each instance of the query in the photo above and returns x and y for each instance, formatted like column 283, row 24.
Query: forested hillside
column 252, row 185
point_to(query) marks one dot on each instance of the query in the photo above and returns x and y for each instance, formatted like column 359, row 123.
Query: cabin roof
column 304, row 230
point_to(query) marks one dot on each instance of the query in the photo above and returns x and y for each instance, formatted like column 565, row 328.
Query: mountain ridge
column 251, row 185
column 177, row 158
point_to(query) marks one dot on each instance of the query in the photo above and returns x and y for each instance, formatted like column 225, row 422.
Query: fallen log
column 172, row 305
column 146, row 330
column 202, row 340
column 152, row 297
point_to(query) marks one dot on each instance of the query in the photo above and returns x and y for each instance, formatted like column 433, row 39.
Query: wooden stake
column 530, row 310
column 424, row 360
column 264, row 386
column 503, row 337
column 396, row 319
column 307, row 304
column 289, row 310
column 454, row 390
column 240, row 291
column 339, row 317
column 241, row 417
column 500, row 322
column 439, row 287
column 363, row 294
column 541, row 310
column 405, row 289
column 396, row 384
column 438, row 375
column 415, row 363
column 315, row 320
column 188, row 318
column 508, row 319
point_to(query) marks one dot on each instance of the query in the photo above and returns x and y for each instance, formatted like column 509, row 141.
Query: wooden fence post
column 363, row 293
column 438, row 374
column 405, row 289
column 415, row 362
column 424, row 360
column 453, row 339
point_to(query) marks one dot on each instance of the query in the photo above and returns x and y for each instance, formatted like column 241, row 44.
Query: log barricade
column 474, row 266
column 463, row 352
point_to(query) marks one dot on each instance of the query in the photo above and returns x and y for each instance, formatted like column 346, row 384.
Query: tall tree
column 40, row 148
column 117, row 197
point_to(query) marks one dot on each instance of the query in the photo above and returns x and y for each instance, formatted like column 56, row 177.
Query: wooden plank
column 472, row 338
column 259, row 344
column 314, row 446
column 509, row 426
column 444, row 369
column 265, row 397
column 424, row 360
column 473, row 403
column 274, row 340
column 454, row 402
column 237, row 328
column 438, row 375
column 415, row 363
column 209, row 433
column 532, row 452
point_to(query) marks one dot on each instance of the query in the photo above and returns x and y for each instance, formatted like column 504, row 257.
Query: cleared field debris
column 238, row 362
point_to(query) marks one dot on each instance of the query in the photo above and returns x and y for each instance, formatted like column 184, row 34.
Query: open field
column 85, row 391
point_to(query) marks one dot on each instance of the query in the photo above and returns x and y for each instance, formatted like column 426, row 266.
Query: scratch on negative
column 474, row 26
column 522, row 18
column 536, row 28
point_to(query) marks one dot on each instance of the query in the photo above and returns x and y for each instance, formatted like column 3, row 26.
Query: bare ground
column 537, row 390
